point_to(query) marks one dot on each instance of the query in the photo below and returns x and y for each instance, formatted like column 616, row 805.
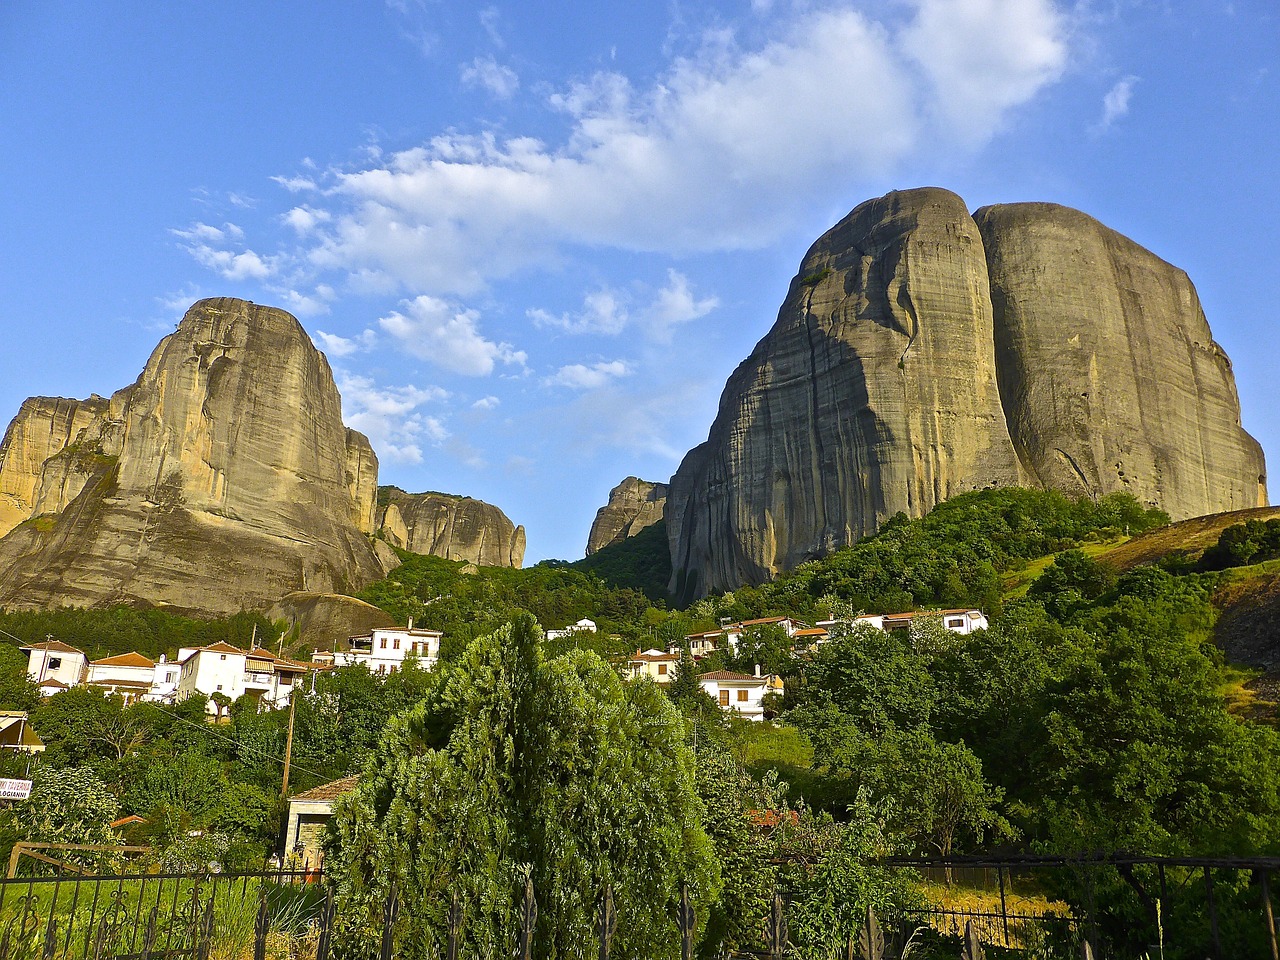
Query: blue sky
column 534, row 239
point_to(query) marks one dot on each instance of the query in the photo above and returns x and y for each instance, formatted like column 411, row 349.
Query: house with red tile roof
column 739, row 693
column 235, row 673
column 308, row 813
column 658, row 665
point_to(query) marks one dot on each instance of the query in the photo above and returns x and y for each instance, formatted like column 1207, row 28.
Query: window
column 724, row 698
column 223, row 657
column 742, row 696
column 384, row 643
column 662, row 669
column 396, row 644
column 955, row 622
column 55, row 663
column 220, row 685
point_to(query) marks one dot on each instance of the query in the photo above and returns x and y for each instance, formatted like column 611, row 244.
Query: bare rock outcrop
column 633, row 505
column 920, row 354
column 219, row 481
column 1110, row 377
column 324, row 619
column 456, row 528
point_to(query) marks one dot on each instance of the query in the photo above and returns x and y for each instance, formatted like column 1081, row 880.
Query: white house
column 131, row 675
column 54, row 666
column 235, row 673
column 582, row 626
column 384, row 650
column 739, row 692
column 658, row 665
column 701, row 644
column 962, row 621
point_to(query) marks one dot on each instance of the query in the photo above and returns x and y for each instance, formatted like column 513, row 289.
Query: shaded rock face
column 1110, row 377
column 633, row 505
column 456, row 528
column 222, row 479
column 324, row 620
column 921, row 353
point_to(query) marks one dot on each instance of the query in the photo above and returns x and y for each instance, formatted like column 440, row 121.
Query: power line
column 236, row 743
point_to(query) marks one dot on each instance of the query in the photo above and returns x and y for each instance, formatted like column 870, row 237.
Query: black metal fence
column 164, row 915
column 1116, row 907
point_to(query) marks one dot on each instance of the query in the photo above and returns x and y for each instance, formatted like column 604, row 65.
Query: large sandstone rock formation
column 221, row 480
column 920, row 354
column 456, row 528
column 324, row 619
column 633, row 505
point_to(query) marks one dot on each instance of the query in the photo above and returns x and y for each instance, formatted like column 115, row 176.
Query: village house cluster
column 224, row 673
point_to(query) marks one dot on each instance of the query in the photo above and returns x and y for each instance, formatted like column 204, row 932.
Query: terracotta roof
column 643, row 657
column 131, row 659
column 125, row 821
column 329, row 791
column 811, row 632
column 709, row 633
column 140, row 684
column 53, row 646
column 924, row 613
column 752, row 623
column 729, row 676
column 221, row 647
column 54, row 683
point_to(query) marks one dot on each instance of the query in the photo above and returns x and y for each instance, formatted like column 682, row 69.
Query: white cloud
column 486, row 403
column 233, row 266
column 304, row 219
column 602, row 312
column 718, row 153
column 984, row 57
column 676, row 304
column 389, row 416
column 1116, row 102
column 448, row 336
column 579, row 376
column 487, row 74
column 336, row 346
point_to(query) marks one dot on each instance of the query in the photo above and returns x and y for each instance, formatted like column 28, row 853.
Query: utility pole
column 288, row 744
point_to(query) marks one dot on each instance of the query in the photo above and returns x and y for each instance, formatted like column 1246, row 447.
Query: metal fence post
column 685, row 919
column 1216, row 941
column 871, row 940
column 260, row 926
column 389, row 915
column 455, row 926
column 1004, row 909
column 608, row 924
column 326, row 927
column 777, row 927
column 1265, row 877
column 528, row 918
column 972, row 945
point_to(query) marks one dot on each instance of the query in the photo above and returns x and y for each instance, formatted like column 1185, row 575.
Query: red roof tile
column 53, row 646
column 131, row 659
column 329, row 791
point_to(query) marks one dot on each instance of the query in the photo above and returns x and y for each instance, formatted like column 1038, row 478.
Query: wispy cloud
column 602, row 312
column 579, row 376
column 710, row 156
column 390, row 418
column 336, row 346
column 676, row 304
column 487, row 74
column 1115, row 104
column 448, row 336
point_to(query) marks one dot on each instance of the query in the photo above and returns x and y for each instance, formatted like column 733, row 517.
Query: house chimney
column 410, row 627
column 757, row 669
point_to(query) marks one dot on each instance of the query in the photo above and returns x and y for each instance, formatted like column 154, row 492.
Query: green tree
column 513, row 760
column 67, row 805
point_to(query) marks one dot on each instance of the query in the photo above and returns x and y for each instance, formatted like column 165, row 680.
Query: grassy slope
column 1187, row 536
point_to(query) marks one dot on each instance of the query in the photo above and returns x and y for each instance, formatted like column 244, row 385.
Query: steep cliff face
column 875, row 392
column 45, row 427
column 1110, row 377
column 633, row 505
column 224, row 479
column 456, row 528
column 920, row 354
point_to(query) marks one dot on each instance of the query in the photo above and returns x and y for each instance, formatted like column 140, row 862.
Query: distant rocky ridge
column 221, row 480
column 633, row 505
column 456, row 528
column 921, row 353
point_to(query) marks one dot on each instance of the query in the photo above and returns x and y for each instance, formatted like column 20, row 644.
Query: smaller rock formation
column 633, row 505
column 456, row 528
column 322, row 619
